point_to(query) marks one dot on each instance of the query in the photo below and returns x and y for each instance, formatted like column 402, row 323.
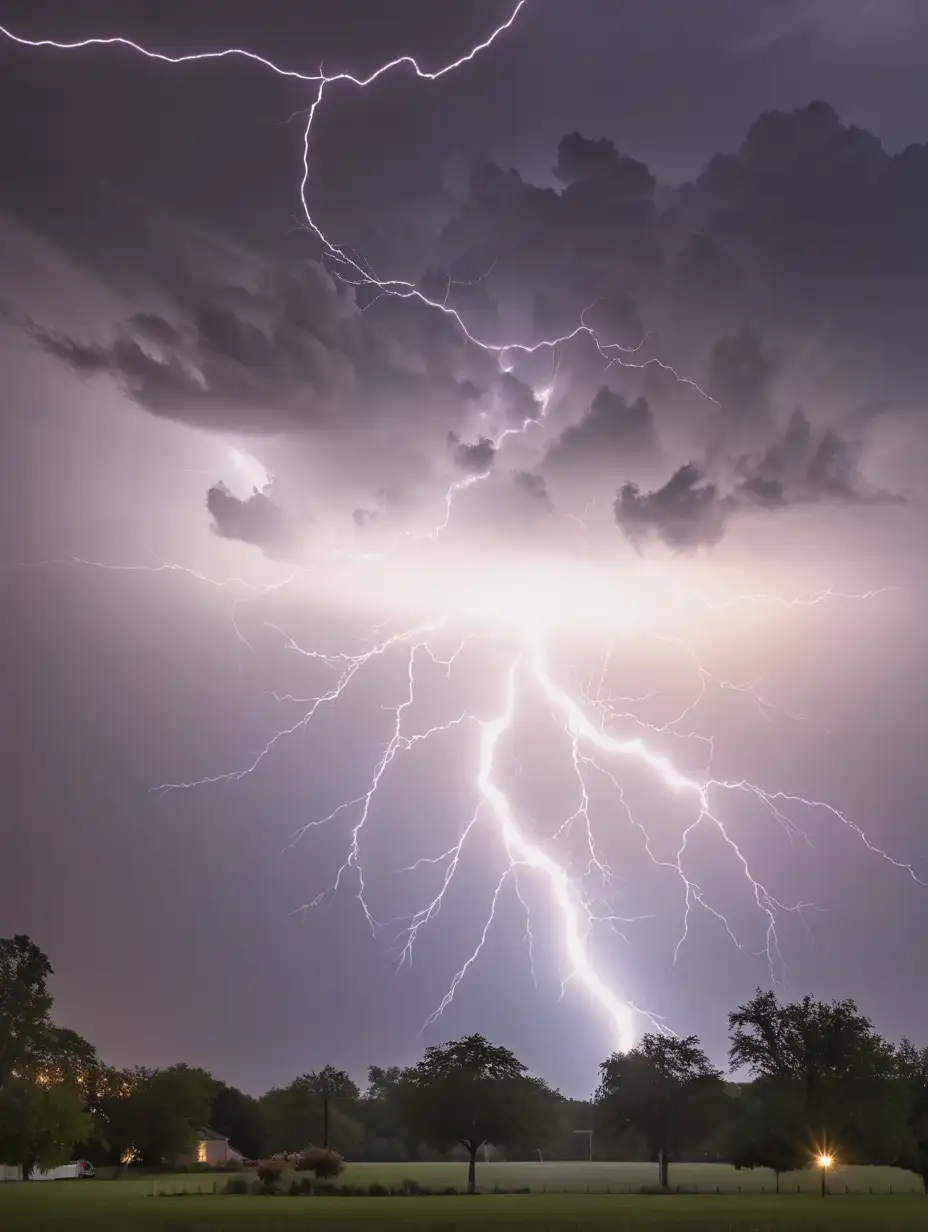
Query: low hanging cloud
column 534, row 487
column 256, row 519
column 474, row 459
column 292, row 349
column 800, row 466
column 686, row 513
column 613, row 432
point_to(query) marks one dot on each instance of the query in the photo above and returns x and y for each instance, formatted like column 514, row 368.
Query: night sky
column 747, row 205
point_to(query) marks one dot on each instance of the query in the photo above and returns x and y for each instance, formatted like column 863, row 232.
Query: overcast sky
column 173, row 338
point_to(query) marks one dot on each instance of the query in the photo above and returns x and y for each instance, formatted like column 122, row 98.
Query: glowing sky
column 624, row 580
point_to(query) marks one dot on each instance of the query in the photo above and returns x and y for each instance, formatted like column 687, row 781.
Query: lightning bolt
column 596, row 748
column 344, row 265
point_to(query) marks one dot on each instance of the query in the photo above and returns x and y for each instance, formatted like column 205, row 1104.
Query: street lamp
column 825, row 1161
column 589, row 1134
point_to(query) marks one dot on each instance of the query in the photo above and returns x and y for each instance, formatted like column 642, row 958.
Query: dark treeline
column 813, row 1077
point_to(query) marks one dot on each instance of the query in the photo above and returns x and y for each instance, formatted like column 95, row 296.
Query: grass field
column 158, row 1201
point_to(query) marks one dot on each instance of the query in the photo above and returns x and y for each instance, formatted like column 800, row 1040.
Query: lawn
column 123, row 1206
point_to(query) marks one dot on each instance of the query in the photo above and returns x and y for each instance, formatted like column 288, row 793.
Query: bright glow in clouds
column 248, row 475
column 522, row 606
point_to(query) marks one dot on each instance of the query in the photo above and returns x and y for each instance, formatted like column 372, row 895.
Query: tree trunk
column 663, row 1164
column 777, row 1175
column 925, row 1182
column 472, row 1149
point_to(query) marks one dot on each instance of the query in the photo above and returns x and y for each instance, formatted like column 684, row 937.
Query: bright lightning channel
column 593, row 747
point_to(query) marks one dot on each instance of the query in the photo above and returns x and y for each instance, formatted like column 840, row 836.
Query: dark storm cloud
column 254, row 520
column 518, row 401
column 792, row 268
column 800, row 466
column 686, row 513
column 476, row 458
column 613, row 432
column 797, row 259
column 533, row 486
column 289, row 350
column 742, row 369
column 804, row 465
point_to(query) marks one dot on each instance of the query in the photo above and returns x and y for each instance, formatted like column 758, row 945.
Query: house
column 211, row 1148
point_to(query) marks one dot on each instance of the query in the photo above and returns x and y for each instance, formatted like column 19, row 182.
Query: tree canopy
column 40, row 1124
column 24, row 1004
column 471, row 1092
column 666, row 1088
column 826, row 1060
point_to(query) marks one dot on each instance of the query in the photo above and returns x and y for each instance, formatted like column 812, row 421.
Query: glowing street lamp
column 825, row 1161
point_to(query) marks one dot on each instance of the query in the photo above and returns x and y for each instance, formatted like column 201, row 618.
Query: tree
column 768, row 1129
column 471, row 1092
column 39, row 1125
column 912, row 1067
column 295, row 1116
column 666, row 1089
column 64, row 1056
column 388, row 1136
column 157, row 1113
column 24, row 1003
column 841, row 1072
column 329, row 1084
column 238, row 1116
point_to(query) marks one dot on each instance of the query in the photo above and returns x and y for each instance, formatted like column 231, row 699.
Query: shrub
column 294, row 1190
column 236, row 1185
column 232, row 1165
column 269, row 1173
column 326, row 1189
column 376, row 1190
column 411, row 1187
column 306, row 1185
column 325, row 1164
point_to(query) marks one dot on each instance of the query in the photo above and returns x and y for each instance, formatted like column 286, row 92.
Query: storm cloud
column 254, row 520
column 764, row 282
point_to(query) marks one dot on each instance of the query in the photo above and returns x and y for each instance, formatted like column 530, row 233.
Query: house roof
column 210, row 1135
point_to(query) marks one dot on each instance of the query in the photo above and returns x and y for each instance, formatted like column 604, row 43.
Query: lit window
column 201, row 1153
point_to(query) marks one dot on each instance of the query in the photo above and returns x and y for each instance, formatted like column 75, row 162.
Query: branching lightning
column 601, row 733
